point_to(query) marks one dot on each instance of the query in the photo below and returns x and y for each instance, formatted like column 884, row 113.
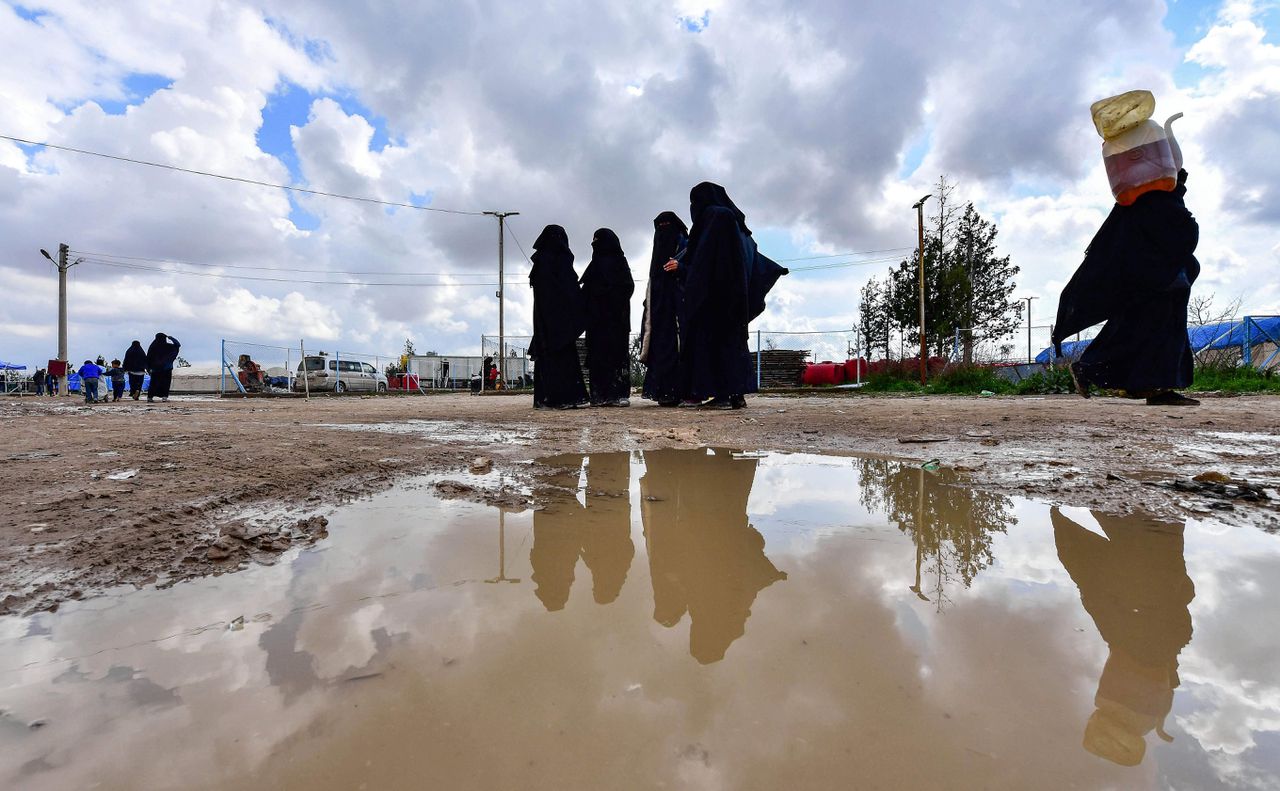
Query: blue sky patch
column 290, row 106
column 696, row 24
column 138, row 88
column 29, row 14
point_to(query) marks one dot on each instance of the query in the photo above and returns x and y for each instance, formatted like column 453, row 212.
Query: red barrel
column 855, row 370
column 824, row 373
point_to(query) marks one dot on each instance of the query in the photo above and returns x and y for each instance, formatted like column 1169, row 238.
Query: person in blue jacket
column 90, row 373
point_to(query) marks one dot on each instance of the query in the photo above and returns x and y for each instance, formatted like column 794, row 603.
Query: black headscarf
column 669, row 235
column 607, row 285
column 161, row 353
column 135, row 357
column 723, row 258
column 558, row 316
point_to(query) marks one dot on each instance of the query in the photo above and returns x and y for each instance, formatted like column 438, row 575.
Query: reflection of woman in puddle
column 704, row 558
column 600, row 533
column 1135, row 586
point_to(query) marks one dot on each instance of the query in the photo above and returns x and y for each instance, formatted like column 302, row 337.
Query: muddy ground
column 137, row 494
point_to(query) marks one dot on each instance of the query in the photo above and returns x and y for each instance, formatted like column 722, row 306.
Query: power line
column 144, row 268
column 241, row 180
column 130, row 258
column 843, row 255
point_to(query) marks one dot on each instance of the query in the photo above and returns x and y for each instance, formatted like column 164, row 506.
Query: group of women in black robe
column 705, row 286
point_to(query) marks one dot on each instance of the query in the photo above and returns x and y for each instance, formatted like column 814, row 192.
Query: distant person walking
column 607, row 288
column 558, row 320
column 116, row 374
column 660, row 328
column 90, row 373
column 1136, row 276
column 161, row 355
column 37, row 381
column 135, row 366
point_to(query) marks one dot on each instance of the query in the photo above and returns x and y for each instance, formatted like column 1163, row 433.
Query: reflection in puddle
column 681, row 618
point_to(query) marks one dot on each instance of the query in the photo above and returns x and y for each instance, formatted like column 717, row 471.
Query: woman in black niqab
column 558, row 320
column 607, row 288
column 1136, row 276
column 725, row 286
column 659, row 332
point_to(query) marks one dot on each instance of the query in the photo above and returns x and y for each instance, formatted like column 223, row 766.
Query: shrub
column 1235, row 379
column 969, row 379
column 1055, row 381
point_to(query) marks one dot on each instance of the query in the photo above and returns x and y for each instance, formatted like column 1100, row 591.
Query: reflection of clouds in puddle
column 841, row 655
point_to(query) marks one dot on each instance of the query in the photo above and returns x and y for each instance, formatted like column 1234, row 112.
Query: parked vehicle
column 340, row 376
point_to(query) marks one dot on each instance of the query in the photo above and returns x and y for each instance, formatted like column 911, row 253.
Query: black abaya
column 660, row 341
column 1136, row 276
column 725, row 286
column 607, row 288
column 558, row 320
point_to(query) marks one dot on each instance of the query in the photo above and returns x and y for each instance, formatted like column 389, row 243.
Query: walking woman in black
column 607, row 287
column 558, row 320
column 161, row 356
column 660, row 330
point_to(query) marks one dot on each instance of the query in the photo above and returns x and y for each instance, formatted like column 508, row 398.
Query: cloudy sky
column 825, row 120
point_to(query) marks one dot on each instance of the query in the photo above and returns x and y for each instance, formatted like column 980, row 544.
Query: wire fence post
column 222, row 370
column 337, row 371
column 306, row 380
column 757, row 359
column 1247, row 352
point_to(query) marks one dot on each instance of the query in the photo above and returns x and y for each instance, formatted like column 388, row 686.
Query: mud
column 697, row 618
column 136, row 494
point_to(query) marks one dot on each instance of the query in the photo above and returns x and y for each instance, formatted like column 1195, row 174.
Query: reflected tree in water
column 951, row 524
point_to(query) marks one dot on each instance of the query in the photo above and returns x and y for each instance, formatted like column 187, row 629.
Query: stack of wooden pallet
column 781, row 367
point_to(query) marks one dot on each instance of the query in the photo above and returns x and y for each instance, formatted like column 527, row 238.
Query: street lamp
column 1028, row 301
column 919, row 207
column 502, row 340
column 62, row 266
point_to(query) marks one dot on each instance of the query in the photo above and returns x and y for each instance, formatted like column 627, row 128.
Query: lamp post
column 919, row 207
column 502, row 340
column 1028, row 301
column 62, row 266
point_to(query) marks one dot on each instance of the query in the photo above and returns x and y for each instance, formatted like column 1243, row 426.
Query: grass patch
column 969, row 380
column 1057, row 381
column 1235, row 380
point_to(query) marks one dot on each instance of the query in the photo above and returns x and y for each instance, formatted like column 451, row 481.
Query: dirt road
column 132, row 494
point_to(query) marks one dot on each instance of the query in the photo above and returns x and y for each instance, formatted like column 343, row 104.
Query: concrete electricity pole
column 502, row 337
column 62, row 266
column 919, row 207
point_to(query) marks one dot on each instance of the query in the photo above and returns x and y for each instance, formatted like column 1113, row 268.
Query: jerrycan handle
column 1173, row 141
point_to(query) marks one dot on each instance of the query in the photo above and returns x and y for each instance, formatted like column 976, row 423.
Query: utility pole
column 502, row 336
column 919, row 207
column 1030, row 359
column 62, row 266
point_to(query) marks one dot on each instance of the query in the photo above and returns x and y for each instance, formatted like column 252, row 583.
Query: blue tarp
column 4, row 366
column 1222, row 335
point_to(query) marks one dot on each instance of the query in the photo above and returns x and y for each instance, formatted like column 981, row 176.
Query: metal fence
column 248, row 367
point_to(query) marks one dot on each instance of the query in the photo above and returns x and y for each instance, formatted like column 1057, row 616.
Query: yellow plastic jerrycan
column 1140, row 155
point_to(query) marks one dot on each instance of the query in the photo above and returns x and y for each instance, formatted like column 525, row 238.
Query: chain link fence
column 258, row 368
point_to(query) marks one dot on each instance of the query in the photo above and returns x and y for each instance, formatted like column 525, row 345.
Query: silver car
column 340, row 376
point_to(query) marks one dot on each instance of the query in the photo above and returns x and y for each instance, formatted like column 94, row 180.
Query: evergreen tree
column 874, row 323
column 967, row 286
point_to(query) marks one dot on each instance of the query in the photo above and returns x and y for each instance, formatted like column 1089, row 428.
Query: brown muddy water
column 697, row 619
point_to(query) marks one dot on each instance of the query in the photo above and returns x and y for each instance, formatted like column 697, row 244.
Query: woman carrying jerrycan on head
column 1138, row 270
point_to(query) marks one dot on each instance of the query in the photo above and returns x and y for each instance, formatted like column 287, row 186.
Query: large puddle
column 677, row 619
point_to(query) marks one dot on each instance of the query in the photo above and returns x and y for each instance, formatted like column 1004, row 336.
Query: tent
column 4, row 366
column 1257, row 337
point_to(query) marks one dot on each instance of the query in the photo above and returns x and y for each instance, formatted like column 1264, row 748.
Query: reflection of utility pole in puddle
column 502, row 550
column 916, row 538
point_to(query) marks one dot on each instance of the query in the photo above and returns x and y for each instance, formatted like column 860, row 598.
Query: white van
column 341, row 376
